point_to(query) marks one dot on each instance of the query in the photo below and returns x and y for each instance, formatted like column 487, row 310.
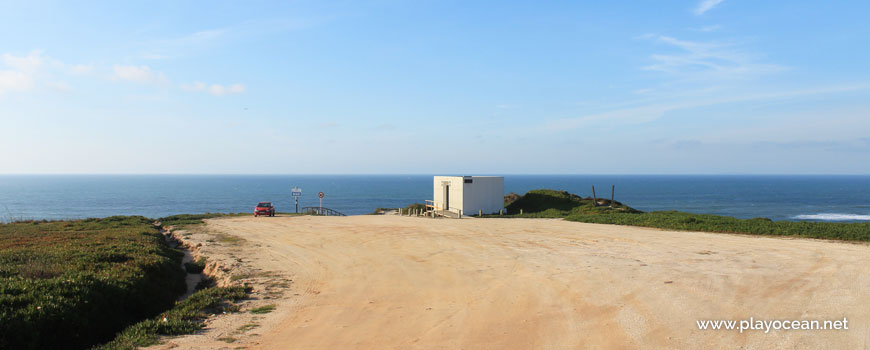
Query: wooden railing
column 321, row 211
column 434, row 208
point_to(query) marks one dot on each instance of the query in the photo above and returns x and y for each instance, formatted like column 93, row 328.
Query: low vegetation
column 558, row 204
column 263, row 309
column 72, row 284
column 186, row 317
column 675, row 220
column 182, row 220
column 195, row 266
column 561, row 204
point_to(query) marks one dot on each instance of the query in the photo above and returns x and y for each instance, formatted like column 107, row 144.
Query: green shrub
column 556, row 204
column 195, row 266
column 72, row 284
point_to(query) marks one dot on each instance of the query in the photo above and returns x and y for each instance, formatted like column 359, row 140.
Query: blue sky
column 634, row 87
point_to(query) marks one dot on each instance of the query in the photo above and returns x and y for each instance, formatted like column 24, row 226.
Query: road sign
column 296, row 191
column 320, row 194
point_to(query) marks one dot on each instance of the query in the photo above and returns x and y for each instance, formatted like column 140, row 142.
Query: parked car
column 264, row 208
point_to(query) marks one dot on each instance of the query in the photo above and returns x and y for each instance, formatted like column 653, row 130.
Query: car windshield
column 264, row 204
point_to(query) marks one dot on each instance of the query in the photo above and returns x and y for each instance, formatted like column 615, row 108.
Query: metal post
column 460, row 213
column 297, row 204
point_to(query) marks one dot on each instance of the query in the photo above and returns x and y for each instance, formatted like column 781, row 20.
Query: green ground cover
column 71, row 284
column 560, row 204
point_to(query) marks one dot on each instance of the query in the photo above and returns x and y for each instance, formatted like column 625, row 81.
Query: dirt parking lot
column 379, row 282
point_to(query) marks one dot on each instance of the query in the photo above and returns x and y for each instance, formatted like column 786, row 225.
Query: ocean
column 814, row 198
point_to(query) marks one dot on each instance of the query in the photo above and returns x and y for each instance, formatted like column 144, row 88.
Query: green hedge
column 73, row 284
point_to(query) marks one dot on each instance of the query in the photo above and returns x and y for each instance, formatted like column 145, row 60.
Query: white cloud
column 214, row 89
column 21, row 73
column 79, row 69
column 138, row 74
column 12, row 80
column 61, row 86
column 220, row 90
column 708, row 60
column 28, row 64
column 706, row 5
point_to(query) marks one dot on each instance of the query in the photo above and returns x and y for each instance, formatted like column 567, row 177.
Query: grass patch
column 230, row 239
column 195, row 266
column 186, row 317
column 191, row 219
column 247, row 327
column 675, row 220
column 561, row 204
column 227, row 339
column 263, row 309
column 73, row 284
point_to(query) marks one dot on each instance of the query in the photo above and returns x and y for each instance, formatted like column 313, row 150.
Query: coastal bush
column 546, row 203
column 72, row 284
column 675, row 220
column 195, row 266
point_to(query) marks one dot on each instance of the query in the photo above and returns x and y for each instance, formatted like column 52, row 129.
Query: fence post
column 521, row 212
column 612, row 190
column 594, row 200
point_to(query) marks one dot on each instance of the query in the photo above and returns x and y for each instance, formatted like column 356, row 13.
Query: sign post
column 296, row 192
column 320, row 194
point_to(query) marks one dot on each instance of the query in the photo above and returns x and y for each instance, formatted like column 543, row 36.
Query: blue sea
column 816, row 198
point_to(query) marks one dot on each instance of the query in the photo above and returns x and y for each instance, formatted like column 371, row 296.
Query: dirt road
column 380, row 282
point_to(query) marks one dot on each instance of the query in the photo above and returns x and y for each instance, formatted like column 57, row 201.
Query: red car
column 264, row 208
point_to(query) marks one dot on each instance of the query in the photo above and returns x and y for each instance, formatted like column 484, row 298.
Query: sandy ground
column 380, row 282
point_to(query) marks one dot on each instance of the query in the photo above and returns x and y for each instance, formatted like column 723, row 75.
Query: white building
column 470, row 194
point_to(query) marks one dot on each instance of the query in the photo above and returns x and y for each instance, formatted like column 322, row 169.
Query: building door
column 447, row 197
column 445, row 188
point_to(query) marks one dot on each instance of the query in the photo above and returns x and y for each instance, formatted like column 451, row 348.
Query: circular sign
column 320, row 194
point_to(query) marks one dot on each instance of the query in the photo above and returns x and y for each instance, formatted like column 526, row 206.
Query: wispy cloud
column 138, row 74
column 707, row 60
column 653, row 111
column 214, row 89
column 706, row 5
column 709, row 28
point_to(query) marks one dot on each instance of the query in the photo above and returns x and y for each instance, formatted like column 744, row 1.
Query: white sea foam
column 834, row 217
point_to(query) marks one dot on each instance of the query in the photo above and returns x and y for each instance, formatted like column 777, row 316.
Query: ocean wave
column 834, row 217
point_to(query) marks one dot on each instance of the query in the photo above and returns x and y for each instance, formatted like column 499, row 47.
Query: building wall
column 484, row 193
column 456, row 195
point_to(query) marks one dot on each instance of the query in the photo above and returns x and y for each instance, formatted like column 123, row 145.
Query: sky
column 432, row 87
